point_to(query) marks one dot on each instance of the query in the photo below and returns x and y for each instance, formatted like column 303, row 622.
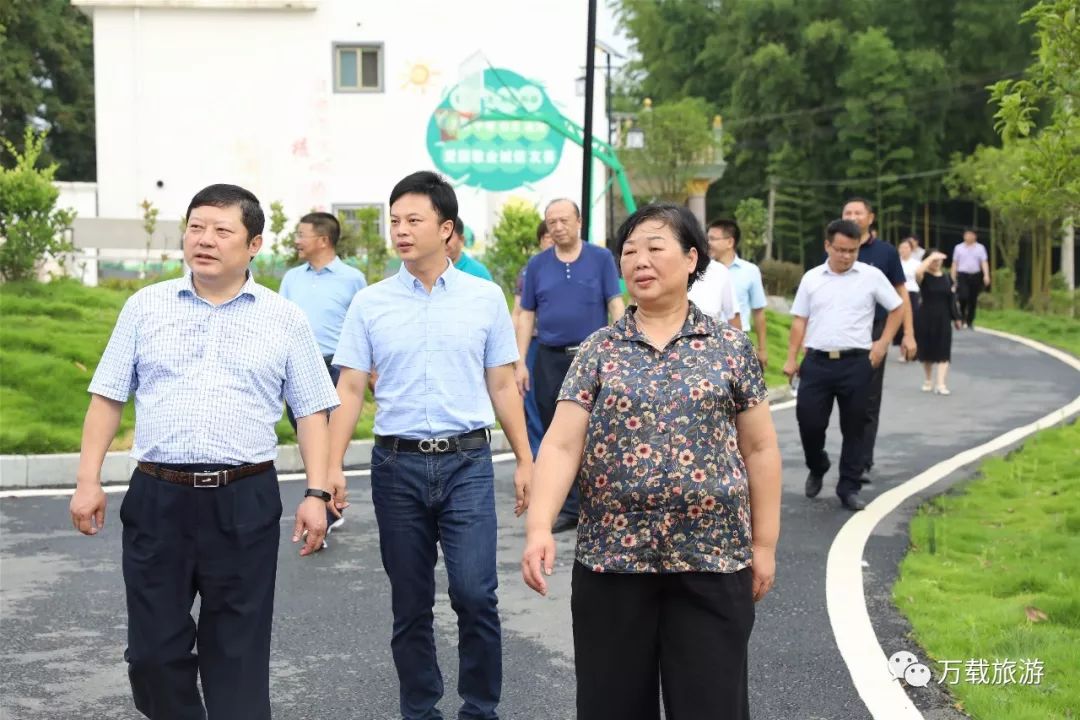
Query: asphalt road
column 62, row 618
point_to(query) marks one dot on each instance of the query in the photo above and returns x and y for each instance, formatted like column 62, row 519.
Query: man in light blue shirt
column 455, row 250
column 443, row 344
column 745, row 278
column 209, row 357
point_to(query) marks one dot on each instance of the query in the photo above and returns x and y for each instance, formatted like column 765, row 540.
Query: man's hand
column 764, row 565
column 763, row 357
column 522, row 484
column 538, row 559
column 88, row 508
column 877, row 354
column 310, row 524
column 791, row 369
column 986, row 281
column 521, row 377
column 908, row 347
column 339, row 490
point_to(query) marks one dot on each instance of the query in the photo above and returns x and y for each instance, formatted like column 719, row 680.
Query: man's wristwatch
column 321, row 494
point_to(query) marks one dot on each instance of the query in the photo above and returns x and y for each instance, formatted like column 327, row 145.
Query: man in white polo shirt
column 833, row 316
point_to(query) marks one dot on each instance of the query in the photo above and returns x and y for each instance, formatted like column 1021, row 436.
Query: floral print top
column 663, row 485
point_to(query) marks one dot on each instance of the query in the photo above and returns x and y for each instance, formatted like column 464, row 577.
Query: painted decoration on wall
column 494, row 154
column 419, row 77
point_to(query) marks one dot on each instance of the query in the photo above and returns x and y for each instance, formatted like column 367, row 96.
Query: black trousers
column 685, row 632
column 968, row 287
column 548, row 374
column 221, row 543
column 845, row 381
column 873, row 404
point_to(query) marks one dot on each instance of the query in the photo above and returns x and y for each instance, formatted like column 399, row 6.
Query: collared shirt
column 430, row 350
column 714, row 293
column 749, row 289
column 570, row 299
column 209, row 379
column 910, row 266
column 839, row 307
column 885, row 258
column 969, row 258
column 663, row 486
column 472, row 266
column 324, row 296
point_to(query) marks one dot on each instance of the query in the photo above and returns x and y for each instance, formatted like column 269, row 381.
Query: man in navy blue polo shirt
column 885, row 258
column 569, row 293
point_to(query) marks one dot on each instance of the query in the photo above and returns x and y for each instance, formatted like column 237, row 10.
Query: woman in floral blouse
column 663, row 423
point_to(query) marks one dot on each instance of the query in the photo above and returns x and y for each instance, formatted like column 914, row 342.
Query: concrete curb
column 58, row 471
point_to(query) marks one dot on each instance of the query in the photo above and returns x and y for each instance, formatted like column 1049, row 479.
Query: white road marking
column 863, row 655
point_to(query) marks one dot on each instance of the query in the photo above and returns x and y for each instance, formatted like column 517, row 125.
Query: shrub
column 515, row 242
column 781, row 278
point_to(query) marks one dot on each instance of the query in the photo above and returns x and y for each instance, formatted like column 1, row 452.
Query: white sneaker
column 927, row 386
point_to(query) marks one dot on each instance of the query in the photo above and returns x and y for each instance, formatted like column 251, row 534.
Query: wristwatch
column 321, row 494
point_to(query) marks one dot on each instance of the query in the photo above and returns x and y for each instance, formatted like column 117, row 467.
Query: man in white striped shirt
column 209, row 357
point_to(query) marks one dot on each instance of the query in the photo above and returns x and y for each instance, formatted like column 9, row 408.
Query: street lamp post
column 586, row 167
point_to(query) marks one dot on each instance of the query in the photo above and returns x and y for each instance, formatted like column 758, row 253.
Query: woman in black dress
column 934, row 324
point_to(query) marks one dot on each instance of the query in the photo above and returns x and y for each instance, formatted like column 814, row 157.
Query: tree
column 31, row 226
column 678, row 139
column 515, row 242
column 47, row 81
column 750, row 214
column 150, row 216
column 360, row 237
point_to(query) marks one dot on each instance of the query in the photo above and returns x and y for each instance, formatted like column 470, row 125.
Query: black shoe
column 562, row 524
column 852, row 502
column 813, row 484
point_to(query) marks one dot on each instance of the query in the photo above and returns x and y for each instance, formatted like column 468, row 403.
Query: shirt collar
column 826, row 270
column 697, row 323
column 737, row 262
column 446, row 280
column 248, row 288
column 333, row 266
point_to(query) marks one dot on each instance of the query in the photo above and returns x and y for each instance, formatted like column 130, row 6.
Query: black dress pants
column 221, row 543
column 685, row 632
column 548, row 374
column 873, row 404
column 968, row 287
column 821, row 382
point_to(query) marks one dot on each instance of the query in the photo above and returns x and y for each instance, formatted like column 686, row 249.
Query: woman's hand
column 538, row 559
column 764, row 566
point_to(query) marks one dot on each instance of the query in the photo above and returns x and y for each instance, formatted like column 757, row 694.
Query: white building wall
column 187, row 97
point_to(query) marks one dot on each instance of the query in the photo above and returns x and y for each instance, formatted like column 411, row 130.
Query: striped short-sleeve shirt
column 209, row 380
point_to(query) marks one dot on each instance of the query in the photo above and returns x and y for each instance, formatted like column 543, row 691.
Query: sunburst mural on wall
column 419, row 77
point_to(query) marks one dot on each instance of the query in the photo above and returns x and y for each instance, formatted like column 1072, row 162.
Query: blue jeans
column 533, row 424
column 447, row 498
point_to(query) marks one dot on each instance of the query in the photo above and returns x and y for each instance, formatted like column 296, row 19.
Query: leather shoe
column 813, row 485
column 852, row 502
column 562, row 524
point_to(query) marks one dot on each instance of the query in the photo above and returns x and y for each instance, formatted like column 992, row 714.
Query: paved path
column 62, row 609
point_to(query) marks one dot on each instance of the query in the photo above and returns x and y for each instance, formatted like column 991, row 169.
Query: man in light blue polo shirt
column 724, row 235
column 443, row 344
column 455, row 250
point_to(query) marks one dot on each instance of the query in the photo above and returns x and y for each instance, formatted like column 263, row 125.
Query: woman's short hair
column 684, row 226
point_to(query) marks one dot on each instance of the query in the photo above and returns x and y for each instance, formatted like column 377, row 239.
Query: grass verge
column 1056, row 330
column 994, row 573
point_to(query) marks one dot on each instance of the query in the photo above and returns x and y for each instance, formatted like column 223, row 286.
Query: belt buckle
column 208, row 480
column 571, row 349
column 834, row 354
column 433, row 445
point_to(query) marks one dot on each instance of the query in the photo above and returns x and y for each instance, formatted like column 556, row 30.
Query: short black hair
column 324, row 224
column 541, row 231
column 459, row 226
column 223, row 196
column 842, row 227
column 434, row 186
column 859, row 199
column 971, row 230
column 577, row 210
column 683, row 224
column 729, row 226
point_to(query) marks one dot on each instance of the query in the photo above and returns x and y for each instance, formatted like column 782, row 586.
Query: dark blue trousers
column 446, row 499
column 221, row 543
column 847, row 381
column 534, row 426
column 550, row 370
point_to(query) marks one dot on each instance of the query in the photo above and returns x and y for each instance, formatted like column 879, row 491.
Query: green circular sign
column 494, row 154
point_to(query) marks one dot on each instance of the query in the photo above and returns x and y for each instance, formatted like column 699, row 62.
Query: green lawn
column 1057, row 330
column 994, row 573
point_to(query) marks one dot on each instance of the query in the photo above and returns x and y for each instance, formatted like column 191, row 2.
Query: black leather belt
column 837, row 354
column 474, row 440
column 209, row 479
column 565, row 349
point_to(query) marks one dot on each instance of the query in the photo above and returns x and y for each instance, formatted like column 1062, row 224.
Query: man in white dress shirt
column 714, row 294
column 833, row 316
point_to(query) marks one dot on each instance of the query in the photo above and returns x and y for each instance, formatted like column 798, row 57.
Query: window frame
column 337, row 208
column 359, row 47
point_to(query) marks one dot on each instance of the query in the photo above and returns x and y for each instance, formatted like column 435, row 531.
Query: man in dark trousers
column 209, row 357
column 833, row 315
column 570, row 291
column 885, row 258
column 970, row 275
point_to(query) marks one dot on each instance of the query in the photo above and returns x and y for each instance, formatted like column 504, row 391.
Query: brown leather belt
column 212, row 479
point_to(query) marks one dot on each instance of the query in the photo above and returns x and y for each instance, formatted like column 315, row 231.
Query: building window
column 358, row 68
column 351, row 216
